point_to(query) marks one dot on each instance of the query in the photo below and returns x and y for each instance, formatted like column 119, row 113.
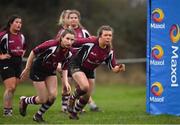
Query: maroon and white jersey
column 50, row 53
column 12, row 44
column 80, row 33
column 91, row 55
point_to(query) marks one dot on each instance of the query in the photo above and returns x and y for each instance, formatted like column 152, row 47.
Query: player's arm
column 39, row 49
column 43, row 46
column 65, row 83
column 4, row 56
column 64, row 79
column 80, row 41
column 59, row 69
column 111, row 61
column 29, row 62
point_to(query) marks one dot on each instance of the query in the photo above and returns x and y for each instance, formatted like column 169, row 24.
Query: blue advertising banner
column 163, row 61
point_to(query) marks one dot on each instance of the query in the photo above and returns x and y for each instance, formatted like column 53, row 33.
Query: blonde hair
column 78, row 15
column 62, row 17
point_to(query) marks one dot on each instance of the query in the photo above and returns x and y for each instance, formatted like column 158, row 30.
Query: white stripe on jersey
column 85, row 33
column 88, row 51
column 23, row 39
column 110, row 60
column 53, row 48
column 6, row 38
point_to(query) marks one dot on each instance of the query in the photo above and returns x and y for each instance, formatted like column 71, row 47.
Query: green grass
column 121, row 104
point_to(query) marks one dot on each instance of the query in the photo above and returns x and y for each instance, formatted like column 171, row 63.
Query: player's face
column 16, row 25
column 74, row 20
column 106, row 37
column 67, row 40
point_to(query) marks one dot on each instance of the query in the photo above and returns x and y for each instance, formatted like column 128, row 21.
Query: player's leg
column 91, row 103
column 10, row 80
column 83, row 88
column 82, row 101
column 10, row 86
column 41, row 98
column 51, row 85
column 72, row 81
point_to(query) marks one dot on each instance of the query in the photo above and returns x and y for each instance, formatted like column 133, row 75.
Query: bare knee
column 10, row 89
column 8, row 94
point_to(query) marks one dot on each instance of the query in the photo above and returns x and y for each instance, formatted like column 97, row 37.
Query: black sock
column 80, row 104
column 77, row 93
column 44, row 108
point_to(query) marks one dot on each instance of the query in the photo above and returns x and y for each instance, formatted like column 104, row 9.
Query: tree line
column 40, row 18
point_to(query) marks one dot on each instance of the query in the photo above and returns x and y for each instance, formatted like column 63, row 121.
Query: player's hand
column 66, row 88
column 4, row 56
column 119, row 68
column 122, row 67
column 59, row 68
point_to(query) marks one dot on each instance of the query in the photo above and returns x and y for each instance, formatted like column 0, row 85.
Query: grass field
column 121, row 104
